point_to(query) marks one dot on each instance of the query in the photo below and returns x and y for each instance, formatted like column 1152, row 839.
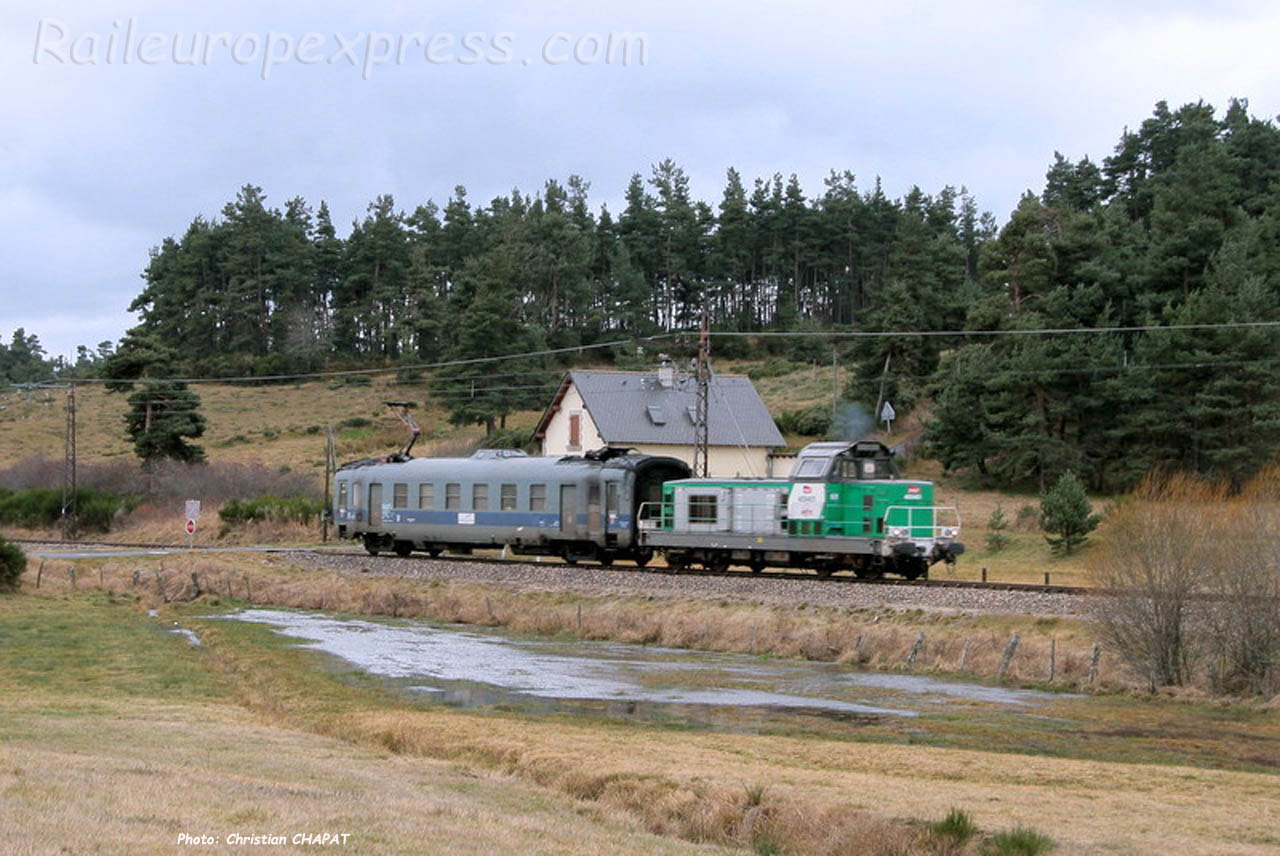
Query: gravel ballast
column 621, row 581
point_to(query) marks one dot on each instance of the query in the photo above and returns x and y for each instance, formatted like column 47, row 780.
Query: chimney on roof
column 666, row 372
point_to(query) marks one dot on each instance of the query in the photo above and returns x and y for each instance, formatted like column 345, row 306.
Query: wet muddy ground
column 471, row 668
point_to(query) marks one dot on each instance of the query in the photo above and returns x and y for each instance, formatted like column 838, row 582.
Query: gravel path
column 622, row 582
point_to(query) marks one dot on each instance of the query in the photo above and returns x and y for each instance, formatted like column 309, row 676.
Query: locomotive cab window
column 399, row 496
column 702, row 508
column 426, row 495
column 537, row 497
column 452, row 496
column 342, row 494
column 508, row 498
column 810, row 468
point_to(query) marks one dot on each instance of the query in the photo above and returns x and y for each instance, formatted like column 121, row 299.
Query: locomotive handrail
column 937, row 529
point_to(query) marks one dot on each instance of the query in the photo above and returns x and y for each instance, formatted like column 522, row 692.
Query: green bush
column 281, row 509
column 812, row 421
column 957, row 827
column 42, row 507
column 12, row 563
column 1019, row 841
column 355, row 422
column 510, row 438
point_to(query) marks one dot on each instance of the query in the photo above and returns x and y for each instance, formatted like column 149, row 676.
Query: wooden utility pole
column 69, row 510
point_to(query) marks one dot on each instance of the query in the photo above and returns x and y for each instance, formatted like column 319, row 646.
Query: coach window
column 453, row 496
column 610, row 500
column 480, row 497
column 399, row 496
column 508, row 498
column 537, row 497
column 426, row 495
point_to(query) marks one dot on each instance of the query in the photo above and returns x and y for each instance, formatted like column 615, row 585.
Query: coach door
column 569, row 510
column 375, row 504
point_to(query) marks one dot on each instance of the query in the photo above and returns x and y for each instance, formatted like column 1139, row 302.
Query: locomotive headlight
column 950, row 531
column 899, row 532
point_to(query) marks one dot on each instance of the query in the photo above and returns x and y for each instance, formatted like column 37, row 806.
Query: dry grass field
column 117, row 736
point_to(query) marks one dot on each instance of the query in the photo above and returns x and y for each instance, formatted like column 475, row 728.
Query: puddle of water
column 969, row 692
column 187, row 634
column 460, row 666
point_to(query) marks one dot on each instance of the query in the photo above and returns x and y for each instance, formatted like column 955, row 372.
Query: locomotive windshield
column 811, row 467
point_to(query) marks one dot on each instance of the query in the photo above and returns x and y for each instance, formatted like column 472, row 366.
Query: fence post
column 248, row 589
column 984, row 575
column 39, row 573
column 1093, row 663
column 915, row 649
column 1053, row 656
column 71, row 572
column 857, row 645
column 137, row 577
column 195, row 584
column 1008, row 655
column 964, row 655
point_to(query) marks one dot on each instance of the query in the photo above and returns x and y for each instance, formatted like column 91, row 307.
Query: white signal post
column 193, row 514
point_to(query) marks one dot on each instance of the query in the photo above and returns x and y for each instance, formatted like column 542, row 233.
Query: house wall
column 556, row 441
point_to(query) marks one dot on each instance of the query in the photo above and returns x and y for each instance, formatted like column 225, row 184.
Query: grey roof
column 634, row 408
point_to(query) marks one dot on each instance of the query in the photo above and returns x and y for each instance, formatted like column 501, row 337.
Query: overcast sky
column 122, row 121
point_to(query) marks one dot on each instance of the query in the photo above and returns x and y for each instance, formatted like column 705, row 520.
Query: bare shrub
column 212, row 482
column 1242, row 614
column 1153, row 561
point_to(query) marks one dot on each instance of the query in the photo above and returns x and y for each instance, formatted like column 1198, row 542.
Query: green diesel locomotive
column 844, row 507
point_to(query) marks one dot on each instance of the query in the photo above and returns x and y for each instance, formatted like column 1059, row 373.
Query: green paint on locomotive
column 870, row 509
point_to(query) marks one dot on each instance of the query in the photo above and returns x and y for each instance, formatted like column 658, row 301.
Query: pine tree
column 1065, row 513
column 997, row 523
column 163, row 415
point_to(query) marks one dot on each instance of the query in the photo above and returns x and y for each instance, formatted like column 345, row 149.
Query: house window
column 426, row 496
column 480, row 497
column 399, row 496
column 508, row 498
column 575, row 430
column 453, row 496
column 537, row 497
column 702, row 508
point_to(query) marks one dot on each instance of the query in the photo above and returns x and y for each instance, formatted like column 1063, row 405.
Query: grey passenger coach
column 576, row 507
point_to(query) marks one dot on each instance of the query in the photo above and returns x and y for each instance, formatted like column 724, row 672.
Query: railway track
column 626, row 568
